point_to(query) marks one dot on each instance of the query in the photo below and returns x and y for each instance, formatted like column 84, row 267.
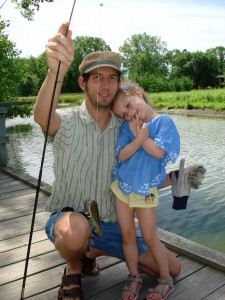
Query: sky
column 195, row 25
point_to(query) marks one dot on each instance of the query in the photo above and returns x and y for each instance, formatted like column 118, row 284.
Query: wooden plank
column 21, row 201
column 12, row 183
column 36, row 264
column 16, row 193
column 3, row 175
column 188, row 266
column 19, row 254
column 5, row 179
column 20, row 241
column 114, row 291
column 196, row 251
column 26, row 178
column 23, row 211
column 44, row 281
column 104, row 262
column 24, row 221
column 7, row 228
column 199, row 284
column 196, row 281
column 217, row 295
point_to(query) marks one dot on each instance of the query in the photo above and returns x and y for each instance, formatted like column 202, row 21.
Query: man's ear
column 82, row 83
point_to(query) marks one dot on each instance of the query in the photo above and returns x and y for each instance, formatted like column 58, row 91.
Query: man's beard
column 94, row 101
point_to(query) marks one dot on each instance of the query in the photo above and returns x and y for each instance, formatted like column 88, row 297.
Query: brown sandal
column 89, row 265
column 72, row 293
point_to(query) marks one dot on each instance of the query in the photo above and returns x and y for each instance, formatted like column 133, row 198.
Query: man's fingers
column 63, row 28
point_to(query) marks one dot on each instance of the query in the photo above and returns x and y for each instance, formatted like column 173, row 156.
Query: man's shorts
column 110, row 242
column 135, row 200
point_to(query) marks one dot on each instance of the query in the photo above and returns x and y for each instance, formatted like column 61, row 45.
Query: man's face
column 101, row 87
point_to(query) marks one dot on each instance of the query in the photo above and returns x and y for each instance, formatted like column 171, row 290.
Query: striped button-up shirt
column 83, row 162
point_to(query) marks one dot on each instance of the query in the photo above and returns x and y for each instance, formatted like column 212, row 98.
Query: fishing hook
column 40, row 172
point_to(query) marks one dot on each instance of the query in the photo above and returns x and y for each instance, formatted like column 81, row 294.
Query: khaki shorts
column 135, row 200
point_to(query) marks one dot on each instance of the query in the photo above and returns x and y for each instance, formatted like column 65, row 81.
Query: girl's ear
column 82, row 83
column 139, row 94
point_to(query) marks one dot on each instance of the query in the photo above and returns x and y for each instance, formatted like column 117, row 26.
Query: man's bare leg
column 72, row 232
column 148, row 264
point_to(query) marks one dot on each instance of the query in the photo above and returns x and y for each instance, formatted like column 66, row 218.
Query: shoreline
column 193, row 112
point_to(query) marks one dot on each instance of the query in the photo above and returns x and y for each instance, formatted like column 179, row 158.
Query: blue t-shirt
column 142, row 171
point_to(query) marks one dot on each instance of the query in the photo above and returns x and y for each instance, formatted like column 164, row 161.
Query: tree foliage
column 220, row 54
column 28, row 7
column 32, row 71
column 9, row 75
column 83, row 45
column 201, row 67
column 144, row 54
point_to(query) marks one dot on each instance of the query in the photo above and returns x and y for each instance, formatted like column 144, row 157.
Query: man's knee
column 73, row 231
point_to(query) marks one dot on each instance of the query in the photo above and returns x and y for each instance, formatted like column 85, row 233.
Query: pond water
column 202, row 141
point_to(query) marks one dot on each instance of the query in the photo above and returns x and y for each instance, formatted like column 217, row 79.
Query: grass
column 197, row 99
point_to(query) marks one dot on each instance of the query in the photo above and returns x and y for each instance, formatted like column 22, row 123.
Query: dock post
column 3, row 138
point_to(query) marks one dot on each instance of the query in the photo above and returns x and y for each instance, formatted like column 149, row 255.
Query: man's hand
column 183, row 180
column 60, row 48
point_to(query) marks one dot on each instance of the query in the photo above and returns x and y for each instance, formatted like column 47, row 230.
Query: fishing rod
column 40, row 171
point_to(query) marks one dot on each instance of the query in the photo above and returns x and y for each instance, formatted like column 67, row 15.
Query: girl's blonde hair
column 131, row 88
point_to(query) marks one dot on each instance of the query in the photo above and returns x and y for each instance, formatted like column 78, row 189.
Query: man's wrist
column 52, row 76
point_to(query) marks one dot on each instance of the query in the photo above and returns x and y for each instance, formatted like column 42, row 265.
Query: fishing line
column 99, row 44
column 40, row 172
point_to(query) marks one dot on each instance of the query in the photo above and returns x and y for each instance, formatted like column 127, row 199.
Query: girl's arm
column 148, row 144
column 151, row 148
column 126, row 152
column 140, row 134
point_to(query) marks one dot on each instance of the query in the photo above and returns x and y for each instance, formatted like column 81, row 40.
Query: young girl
column 146, row 143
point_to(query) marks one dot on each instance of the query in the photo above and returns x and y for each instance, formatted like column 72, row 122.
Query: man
column 84, row 139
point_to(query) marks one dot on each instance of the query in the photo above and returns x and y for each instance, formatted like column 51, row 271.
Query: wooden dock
column 202, row 276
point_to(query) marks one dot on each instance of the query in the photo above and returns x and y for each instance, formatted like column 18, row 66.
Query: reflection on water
column 202, row 141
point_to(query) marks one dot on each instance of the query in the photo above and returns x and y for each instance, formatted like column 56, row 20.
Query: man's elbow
column 38, row 118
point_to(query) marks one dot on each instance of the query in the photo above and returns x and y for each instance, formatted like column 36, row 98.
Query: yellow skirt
column 135, row 200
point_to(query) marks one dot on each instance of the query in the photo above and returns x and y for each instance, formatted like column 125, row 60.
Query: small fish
column 94, row 214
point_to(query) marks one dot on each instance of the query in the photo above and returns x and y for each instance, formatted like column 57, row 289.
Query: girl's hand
column 139, row 129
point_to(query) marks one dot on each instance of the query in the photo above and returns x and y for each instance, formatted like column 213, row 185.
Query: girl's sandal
column 164, row 291
column 135, row 292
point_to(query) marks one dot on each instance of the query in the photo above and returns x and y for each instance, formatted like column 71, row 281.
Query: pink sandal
column 164, row 291
column 135, row 292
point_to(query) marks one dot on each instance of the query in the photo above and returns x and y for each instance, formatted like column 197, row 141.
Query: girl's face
column 128, row 107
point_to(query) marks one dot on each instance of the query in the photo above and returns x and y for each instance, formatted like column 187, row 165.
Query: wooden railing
column 4, row 139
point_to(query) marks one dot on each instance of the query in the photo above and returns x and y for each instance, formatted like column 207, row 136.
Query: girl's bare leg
column 125, row 217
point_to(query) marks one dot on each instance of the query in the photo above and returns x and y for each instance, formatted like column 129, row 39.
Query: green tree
column 200, row 67
column 8, row 69
column 83, row 45
column 28, row 7
column 143, row 54
column 220, row 54
column 9, row 72
column 32, row 71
